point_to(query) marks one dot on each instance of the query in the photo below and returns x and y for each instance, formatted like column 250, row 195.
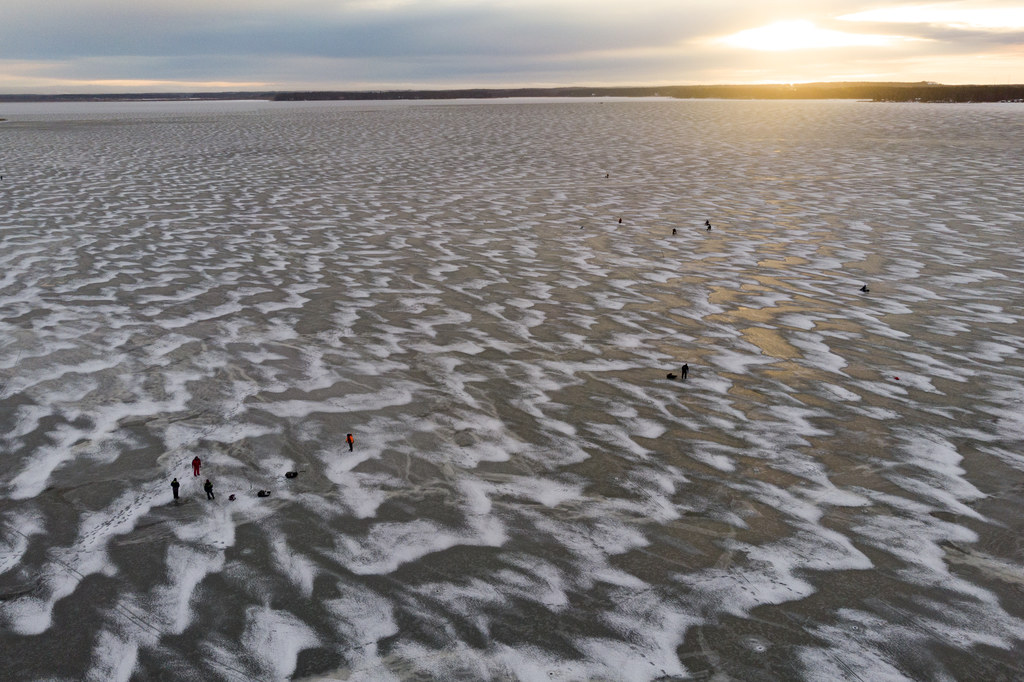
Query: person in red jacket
column 351, row 441
column 195, row 465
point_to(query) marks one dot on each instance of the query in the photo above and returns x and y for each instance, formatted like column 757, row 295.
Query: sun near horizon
column 225, row 45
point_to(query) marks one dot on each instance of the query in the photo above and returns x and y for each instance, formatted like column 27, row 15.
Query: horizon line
column 478, row 92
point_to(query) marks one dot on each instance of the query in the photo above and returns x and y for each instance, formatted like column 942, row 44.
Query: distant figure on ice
column 865, row 289
column 707, row 224
column 606, row 175
column 673, row 230
column 620, row 221
column 195, row 465
column 670, row 375
column 208, row 487
column 351, row 441
column 684, row 370
column 174, row 488
column 263, row 493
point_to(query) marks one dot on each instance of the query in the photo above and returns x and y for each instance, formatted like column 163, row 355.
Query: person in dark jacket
column 174, row 488
column 684, row 371
column 195, row 465
column 209, row 490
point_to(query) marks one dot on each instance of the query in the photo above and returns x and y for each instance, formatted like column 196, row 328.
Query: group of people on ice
column 208, row 486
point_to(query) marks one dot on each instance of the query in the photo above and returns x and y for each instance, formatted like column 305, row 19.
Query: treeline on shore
column 877, row 92
column 140, row 97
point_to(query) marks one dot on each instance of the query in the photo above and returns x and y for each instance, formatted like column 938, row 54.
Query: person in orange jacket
column 351, row 441
column 195, row 465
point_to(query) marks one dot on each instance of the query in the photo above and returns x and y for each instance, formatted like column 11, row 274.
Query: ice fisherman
column 684, row 370
column 195, row 465
column 174, row 488
column 351, row 441
column 208, row 487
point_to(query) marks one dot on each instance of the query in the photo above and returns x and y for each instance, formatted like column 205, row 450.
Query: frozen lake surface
column 834, row 493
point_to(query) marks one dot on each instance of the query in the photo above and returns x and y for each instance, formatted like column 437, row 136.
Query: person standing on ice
column 351, row 441
column 209, row 490
column 195, row 465
column 174, row 488
column 684, row 371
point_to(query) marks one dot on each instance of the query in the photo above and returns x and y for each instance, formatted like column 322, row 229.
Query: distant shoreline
column 874, row 92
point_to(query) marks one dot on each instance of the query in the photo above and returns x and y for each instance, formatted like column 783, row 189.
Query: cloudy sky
column 190, row 45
